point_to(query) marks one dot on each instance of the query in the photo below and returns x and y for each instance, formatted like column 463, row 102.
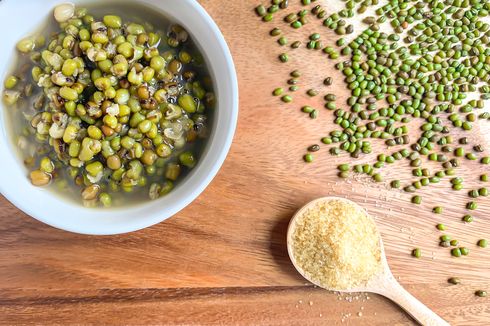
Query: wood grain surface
column 223, row 259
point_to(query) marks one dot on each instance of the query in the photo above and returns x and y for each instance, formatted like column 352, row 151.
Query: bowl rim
column 52, row 216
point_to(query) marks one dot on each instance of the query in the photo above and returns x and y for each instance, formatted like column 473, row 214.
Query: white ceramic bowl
column 21, row 18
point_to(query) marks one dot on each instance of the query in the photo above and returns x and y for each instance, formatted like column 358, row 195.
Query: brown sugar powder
column 336, row 244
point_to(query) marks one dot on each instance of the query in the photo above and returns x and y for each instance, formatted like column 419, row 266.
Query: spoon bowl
column 383, row 282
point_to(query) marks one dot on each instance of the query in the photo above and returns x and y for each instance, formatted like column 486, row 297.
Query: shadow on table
column 278, row 246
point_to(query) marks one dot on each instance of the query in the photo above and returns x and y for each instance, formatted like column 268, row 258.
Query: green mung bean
column 260, row 10
column 312, row 92
column 472, row 205
column 278, row 91
column 314, row 148
column 284, row 57
column 343, row 174
column 282, row 40
column 481, row 293
column 445, row 244
column 456, row 252
column 457, row 187
column 416, row 200
column 445, row 238
column 468, row 218
column 454, row 280
column 326, row 140
column 344, row 167
column 275, row 32
column 268, row 17
column 473, row 193
column 417, row 253
column 308, row 158
column 464, row 251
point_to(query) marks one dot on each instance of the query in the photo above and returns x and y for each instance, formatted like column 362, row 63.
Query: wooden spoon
column 383, row 283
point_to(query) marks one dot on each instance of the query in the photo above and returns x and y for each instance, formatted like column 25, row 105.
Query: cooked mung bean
column 116, row 108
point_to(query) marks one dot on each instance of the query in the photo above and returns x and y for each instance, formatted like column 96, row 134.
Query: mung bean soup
column 111, row 107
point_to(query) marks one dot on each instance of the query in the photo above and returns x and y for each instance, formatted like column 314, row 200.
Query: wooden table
column 223, row 259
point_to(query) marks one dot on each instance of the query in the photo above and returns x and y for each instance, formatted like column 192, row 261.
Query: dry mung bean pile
column 422, row 61
column 109, row 107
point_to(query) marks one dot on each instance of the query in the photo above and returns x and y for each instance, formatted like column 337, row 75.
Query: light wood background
column 223, row 259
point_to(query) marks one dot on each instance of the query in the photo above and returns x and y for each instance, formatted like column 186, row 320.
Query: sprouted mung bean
column 336, row 244
column 111, row 106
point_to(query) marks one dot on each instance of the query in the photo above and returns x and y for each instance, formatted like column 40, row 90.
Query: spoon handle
column 420, row 312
